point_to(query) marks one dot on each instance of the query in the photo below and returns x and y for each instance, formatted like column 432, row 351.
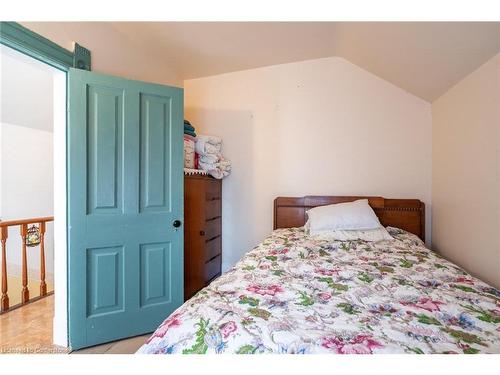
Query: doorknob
column 176, row 223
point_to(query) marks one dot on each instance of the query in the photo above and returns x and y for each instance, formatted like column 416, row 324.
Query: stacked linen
column 189, row 145
column 218, row 167
column 208, row 145
column 189, row 153
column 189, row 129
column 210, row 159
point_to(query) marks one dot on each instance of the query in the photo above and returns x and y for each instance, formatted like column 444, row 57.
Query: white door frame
column 60, row 323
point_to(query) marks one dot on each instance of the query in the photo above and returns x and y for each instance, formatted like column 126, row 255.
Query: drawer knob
column 176, row 223
column 202, row 232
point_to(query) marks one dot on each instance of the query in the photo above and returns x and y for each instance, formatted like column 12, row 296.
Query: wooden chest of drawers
column 202, row 232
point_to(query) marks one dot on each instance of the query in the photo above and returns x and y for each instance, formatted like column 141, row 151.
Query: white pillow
column 371, row 235
column 357, row 215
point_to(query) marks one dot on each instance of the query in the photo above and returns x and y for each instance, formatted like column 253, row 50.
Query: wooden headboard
column 407, row 214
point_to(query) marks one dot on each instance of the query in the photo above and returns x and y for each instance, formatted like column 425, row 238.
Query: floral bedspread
column 294, row 294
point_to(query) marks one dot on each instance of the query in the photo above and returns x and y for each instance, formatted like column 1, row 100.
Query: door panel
column 155, row 127
column 104, row 280
column 105, row 162
column 156, row 283
column 125, row 188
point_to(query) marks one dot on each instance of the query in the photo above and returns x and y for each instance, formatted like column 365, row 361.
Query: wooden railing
column 4, row 234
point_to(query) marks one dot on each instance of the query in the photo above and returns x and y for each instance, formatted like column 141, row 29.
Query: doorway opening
column 32, row 203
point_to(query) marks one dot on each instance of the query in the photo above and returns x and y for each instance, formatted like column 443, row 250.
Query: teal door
column 125, row 206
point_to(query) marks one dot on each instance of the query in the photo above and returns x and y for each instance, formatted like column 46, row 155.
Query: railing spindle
column 25, row 293
column 23, row 226
column 43, row 285
column 4, row 304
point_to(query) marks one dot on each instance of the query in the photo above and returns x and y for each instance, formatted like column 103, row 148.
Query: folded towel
column 218, row 174
column 216, row 165
column 208, row 148
column 213, row 170
column 189, row 154
column 207, row 166
column 226, row 169
column 209, row 158
column 225, row 166
column 189, row 129
column 208, row 144
column 211, row 139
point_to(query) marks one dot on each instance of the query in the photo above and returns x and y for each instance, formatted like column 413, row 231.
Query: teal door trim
column 32, row 44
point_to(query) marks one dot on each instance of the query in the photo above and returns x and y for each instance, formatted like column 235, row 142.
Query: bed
column 296, row 294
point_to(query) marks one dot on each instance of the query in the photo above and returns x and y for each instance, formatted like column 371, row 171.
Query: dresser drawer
column 213, row 190
column 213, row 248
column 202, row 232
column 213, row 209
column 213, row 228
column 213, row 268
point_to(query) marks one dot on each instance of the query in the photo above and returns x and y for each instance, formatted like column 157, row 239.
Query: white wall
column 321, row 127
column 466, row 173
column 26, row 91
column 26, row 179
column 27, row 189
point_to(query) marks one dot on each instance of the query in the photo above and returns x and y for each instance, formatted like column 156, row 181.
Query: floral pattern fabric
column 297, row 294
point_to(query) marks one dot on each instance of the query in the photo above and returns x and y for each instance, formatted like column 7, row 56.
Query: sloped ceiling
column 423, row 58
